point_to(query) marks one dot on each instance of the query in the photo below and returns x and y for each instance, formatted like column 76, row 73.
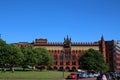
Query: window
column 55, row 57
column 79, row 63
column 55, row 62
column 67, row 57
column 61, row 57
column 61, row 63
column 68, row 63
column 73, row 63
column 73, row 57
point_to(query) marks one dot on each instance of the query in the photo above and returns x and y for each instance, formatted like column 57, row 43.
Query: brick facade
column 66, row 53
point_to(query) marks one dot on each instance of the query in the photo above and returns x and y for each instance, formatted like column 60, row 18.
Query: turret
column 67, row 42
column 67, row 46
column 103, row 47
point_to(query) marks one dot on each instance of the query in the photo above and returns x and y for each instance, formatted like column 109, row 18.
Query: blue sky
column 82, row 20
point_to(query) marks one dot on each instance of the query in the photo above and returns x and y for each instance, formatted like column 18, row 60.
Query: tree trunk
column 3, row 68
column 33, row 67
column 12, row 69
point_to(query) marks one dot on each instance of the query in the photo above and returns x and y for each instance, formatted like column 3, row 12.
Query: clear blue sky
column 82, row 20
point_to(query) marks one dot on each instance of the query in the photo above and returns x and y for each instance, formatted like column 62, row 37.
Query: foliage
column 3, row 53
column 12, row 55
column 30, row 58
column 24, row 51
column 43, row 56
column 35, row 56
column 15, row 55
column 2, row 43
column 93, row 60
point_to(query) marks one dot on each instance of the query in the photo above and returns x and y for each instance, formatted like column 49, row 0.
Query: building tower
column 67, row 51
column 67, row 46
column 103, row 47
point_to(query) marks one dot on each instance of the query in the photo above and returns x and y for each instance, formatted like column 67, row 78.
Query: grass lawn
column 33, row 75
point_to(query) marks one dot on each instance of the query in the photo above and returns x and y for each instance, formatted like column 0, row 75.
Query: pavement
column 88, row 79
column 82, row 79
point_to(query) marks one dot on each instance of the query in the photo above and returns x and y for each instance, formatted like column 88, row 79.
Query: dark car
column 72, row 76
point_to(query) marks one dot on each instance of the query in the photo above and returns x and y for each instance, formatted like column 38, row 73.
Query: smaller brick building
column 113, row 55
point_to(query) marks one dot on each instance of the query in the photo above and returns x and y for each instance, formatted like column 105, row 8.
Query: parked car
column 27, row 66
column 90, row 75
column 72, row 76
column 83, row 75
column 96, row 74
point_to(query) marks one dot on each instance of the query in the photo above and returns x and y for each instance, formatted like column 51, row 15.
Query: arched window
column 55, row 51
column 55, row 68
column 58, row 51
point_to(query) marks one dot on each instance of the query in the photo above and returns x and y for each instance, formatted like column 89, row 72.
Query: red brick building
column 66, row 53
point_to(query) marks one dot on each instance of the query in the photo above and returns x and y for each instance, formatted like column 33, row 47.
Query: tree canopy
column 30, row 58
column 15, row 55
column 44, row 56
column 12, row 55
column 3, row 53
column 36, row 56
column 93, row 60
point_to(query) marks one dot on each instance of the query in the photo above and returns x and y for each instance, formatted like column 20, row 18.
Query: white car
column 96, row 74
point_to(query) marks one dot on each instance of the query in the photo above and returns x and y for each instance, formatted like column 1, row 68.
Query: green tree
column 43, row 55
column 24, row 51
column 3, row 54
column 36, row 56
column 15, row 56
column 30, row 57
column 93, row 60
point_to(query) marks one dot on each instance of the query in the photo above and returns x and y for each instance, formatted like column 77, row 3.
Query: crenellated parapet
column 44, row 42
column 55, row 43
column 85, row 43
column 48, row 44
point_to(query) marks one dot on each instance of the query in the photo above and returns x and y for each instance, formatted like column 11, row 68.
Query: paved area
column 88, row 79
column 82, row 79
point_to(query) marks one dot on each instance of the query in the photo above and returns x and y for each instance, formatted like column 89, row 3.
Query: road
column 88, row 79
column 83, row 79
